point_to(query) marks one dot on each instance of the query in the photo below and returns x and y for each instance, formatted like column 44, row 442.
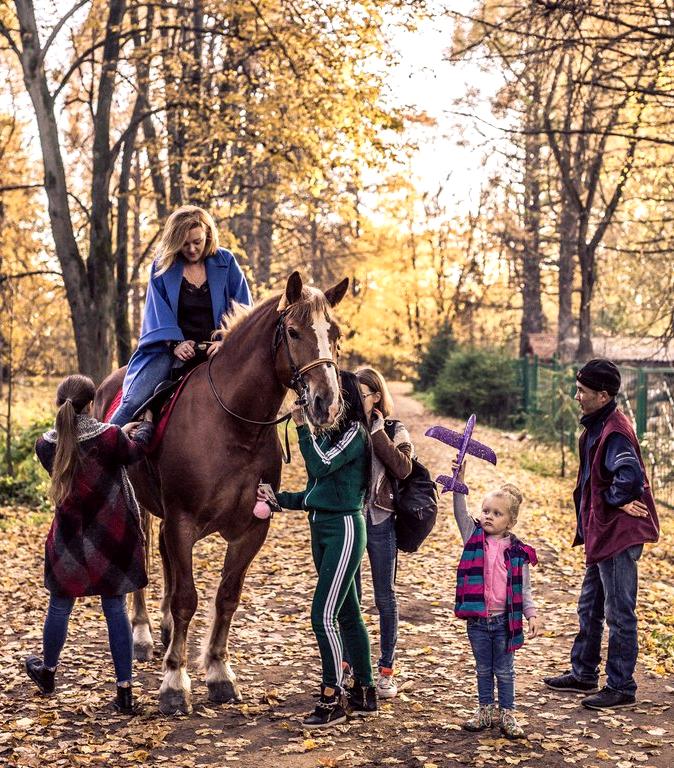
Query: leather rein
column 297, row 382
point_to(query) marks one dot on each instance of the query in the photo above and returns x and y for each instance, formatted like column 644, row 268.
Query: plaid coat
column 95, row 545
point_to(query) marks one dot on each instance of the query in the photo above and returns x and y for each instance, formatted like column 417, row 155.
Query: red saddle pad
column 164, row 416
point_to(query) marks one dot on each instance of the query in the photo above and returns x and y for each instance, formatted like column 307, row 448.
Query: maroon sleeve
column 45, row 452
column 126, row 450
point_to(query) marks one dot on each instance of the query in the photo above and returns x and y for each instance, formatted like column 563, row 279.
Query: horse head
column 307, row 347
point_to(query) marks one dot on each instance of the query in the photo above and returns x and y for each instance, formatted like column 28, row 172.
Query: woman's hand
column 297, row 412
column 130, row 426
column 635, row 509
column 213, row 348
column 185, row 350
column 534, row 626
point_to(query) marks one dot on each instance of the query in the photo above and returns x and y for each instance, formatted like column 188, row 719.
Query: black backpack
column 415, row 502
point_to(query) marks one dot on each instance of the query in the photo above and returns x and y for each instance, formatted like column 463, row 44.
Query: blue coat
column 226, row 283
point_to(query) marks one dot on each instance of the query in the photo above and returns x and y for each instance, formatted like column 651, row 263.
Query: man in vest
column 615, row 515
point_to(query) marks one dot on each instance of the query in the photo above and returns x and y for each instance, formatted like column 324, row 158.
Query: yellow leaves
column 309, row 744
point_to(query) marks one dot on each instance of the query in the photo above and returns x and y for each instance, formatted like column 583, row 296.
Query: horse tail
column 149, row 538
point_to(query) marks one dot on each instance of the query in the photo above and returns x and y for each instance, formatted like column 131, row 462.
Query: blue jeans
column 381, row 549
column 489, row 640
column 609, row 592
column 119, row 632
column 156, row 369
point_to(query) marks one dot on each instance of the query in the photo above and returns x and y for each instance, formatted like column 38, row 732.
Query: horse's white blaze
column 321, row 327
column 218, row 671
column 176, row 680
column 142, row 635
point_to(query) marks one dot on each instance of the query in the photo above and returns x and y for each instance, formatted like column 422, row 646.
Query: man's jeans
column 609, row 592
column 489, row 640
column 156, row 370
column 119, row 632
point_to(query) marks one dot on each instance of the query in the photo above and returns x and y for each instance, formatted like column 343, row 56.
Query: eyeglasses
column 367, row 394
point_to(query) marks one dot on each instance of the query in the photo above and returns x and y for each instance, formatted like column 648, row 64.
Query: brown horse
column 219, row 443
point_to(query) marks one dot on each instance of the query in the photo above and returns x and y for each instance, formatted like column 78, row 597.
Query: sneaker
column 609, row 698
column 482, row 719
column 567, row 682
column 123, row 702
column 362, row 700
column 510, row 728
column 386, row 684
column 40, row 675
column 328, row 712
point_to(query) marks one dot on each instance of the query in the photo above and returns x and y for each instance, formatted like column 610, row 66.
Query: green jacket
column 337, row 472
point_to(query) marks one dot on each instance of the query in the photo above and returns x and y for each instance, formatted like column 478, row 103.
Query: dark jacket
column 604, row 529
column 336, row 469
column 95, row 545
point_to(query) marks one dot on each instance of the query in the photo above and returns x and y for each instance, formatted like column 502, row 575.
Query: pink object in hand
column 262, row 510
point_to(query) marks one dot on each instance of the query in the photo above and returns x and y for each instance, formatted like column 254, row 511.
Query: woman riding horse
column 192, row 285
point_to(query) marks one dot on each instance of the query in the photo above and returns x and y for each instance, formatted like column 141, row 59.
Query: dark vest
column 607, row 531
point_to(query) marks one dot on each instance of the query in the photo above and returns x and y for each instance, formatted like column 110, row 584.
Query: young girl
column 338, row 468
column 493, row 591
column 95, row 544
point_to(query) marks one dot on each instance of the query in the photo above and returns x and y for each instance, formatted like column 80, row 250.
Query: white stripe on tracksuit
column 338, row 447
column 329, row 617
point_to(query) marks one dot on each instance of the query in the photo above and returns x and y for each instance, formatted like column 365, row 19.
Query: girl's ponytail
column 72, row 396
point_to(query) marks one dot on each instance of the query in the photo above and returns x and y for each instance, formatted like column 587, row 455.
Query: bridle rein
column 297, row 381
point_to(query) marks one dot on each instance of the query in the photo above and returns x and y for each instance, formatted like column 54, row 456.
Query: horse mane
column 312, row 301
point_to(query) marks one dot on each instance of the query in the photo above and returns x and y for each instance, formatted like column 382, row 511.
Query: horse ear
column 293, row 291
column 335, row 294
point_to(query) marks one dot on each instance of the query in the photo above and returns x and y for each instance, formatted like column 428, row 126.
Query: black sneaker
column 362, row 701
column 609, row 698
column 567, row 682
column 329, row 711
column 123, row 702
column 40, row 675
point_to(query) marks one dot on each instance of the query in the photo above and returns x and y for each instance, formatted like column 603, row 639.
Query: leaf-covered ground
column 276, row 659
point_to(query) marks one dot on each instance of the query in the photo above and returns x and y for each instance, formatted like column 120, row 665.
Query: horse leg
column 220, row 677
column 140, row 622
column 175, row 693
column 166, row 625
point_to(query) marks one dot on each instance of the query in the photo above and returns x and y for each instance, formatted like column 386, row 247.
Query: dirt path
column 276, row 659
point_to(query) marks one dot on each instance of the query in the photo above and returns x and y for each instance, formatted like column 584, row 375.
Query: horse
column 220, row 441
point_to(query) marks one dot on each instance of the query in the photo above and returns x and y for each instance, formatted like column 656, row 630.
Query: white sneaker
column 386, row 687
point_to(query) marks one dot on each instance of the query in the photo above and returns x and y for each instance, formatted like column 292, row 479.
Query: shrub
column 434, row 358
column 482, row 382
column 29, row 484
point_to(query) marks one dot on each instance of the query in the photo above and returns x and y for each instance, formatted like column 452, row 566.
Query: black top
column 195, row 311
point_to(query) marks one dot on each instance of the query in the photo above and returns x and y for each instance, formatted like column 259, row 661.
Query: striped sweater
column 337, row 470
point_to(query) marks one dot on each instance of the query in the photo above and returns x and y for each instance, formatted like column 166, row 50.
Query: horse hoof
column 224, row 692
column 174, row 702
column 143, row 651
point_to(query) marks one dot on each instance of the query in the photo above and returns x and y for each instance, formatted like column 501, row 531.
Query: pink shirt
column 495, row 573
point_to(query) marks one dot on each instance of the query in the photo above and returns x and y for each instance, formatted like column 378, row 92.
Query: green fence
column 646, row 396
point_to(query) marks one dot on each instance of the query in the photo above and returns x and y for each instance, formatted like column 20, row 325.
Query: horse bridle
column 297, row 381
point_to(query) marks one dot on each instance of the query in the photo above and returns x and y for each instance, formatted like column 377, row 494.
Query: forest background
column 286, row 119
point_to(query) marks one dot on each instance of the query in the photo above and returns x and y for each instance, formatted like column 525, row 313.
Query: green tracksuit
column 334, row 497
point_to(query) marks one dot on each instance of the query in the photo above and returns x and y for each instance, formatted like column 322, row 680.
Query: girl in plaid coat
column 95, row 545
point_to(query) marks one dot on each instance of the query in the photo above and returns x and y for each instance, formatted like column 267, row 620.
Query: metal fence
column 646, row 396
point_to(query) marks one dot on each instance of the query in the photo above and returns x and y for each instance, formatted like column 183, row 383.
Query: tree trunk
column 587, row 274
column 566, row 228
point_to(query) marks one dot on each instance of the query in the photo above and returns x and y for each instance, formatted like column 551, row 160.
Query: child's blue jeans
column 119, row 632
column 489, row 639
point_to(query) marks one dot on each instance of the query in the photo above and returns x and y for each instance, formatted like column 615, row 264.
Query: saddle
column 162, row 393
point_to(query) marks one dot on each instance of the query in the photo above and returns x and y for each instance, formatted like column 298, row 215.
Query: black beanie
column 600, row 375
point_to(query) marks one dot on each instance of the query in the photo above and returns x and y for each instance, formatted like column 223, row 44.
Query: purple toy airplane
column 465, row 445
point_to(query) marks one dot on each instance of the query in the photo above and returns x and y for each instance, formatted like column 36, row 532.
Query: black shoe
column 40, row 675
column 328, row 712
column 567, row 682
column 609, row 698
column 362, row 701
column 123, row 703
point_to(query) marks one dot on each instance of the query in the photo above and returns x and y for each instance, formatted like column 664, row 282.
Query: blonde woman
column 192, row 284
